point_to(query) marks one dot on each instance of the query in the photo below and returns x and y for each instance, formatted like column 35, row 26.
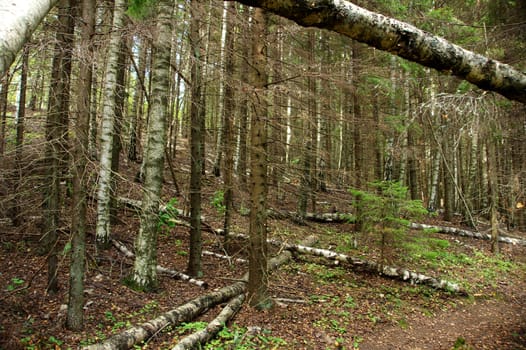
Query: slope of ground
column 319, row 306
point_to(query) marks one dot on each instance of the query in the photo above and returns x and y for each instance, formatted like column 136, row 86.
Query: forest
column 256, row 174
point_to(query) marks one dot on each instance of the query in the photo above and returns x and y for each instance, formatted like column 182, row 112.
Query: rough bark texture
column 186, row 312
column 401, row 39
column 466, row 233
column 144, row 273
column 196, row 149
column 75, row 313
column 160, row 269
column 107, row 129
column 19, row 19
column 388, row 271
column 201, row 337
column 258, row 274
column 58, row 107
column 183, row 313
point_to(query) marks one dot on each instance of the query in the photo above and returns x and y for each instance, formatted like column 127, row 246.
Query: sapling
column 386, row 210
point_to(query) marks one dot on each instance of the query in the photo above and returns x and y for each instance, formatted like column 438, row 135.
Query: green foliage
column 387, row 208
column 168, row 216
column 141, row 9
column 15, row 283
column 33, row 343
column 323, row 273
column 386, row 211
column 191, row 327
column 240, row 338
column 460, row 344
column 218, row 201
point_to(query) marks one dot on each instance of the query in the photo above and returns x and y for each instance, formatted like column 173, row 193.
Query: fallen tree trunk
column 388, row 271
column 173, row 273
column 203, row 336
column 467, row 233
column 183, row 313
column 317, row 217
column 186, row 312
column 401, row 39
column 369, row 266
column 341, row 217
column 224, row 257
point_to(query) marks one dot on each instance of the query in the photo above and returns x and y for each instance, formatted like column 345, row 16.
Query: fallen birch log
column 213, row 327
column 467, row 233
column 203, row 336
column 172, row 273
column 388, row 271
column 224, row 257
column 317, row 217
column 185, row 312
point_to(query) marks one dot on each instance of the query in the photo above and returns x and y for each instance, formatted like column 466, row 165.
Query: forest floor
column 319, row 306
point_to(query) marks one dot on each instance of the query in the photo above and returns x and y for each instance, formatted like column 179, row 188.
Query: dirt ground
column 317, row 306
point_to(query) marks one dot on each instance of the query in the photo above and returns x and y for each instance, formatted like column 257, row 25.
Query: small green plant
column 349, row 302
column 168, row 216
column 356, row 340
column 386, row 209
column 460, row 344
column 54, row 341
column 108, row 315
column 15, row 283
column 239, row 338
column 218, row 201
column 191, row 327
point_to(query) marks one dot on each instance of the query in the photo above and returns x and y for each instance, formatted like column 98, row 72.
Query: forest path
column 494, row 322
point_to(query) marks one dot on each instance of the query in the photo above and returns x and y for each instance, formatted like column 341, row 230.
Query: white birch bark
column 401, row 39
column 144, row 273
column 19, row 19
column 108, row 125
column 201, row 337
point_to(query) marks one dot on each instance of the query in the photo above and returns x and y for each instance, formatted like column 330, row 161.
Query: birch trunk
column 19, row 19
column 401, row 39
column 104, row 192
column 144, row 275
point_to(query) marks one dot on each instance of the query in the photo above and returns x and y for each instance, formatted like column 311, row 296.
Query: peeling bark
column 387, row 271
column 201, row 337
column 183, row 313
column 466, row 233
column 19, row 19
column 186, row 312
column 173, row 273
column 401, row 39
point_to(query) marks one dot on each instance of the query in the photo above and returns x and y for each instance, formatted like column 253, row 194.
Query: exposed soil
column 319, row 306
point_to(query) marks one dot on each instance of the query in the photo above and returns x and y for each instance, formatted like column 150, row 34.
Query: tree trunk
column 228, row 115
column 196, row 140
column 403, row 40
column 19, row 140
column 75, row 313
column 3, row 110
column 491, row 154
column 144, row 274
column 241, row 166
column 104, row 192
column 19, row 19
column 138, row 100
column 258, row 274
column 58, row 106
